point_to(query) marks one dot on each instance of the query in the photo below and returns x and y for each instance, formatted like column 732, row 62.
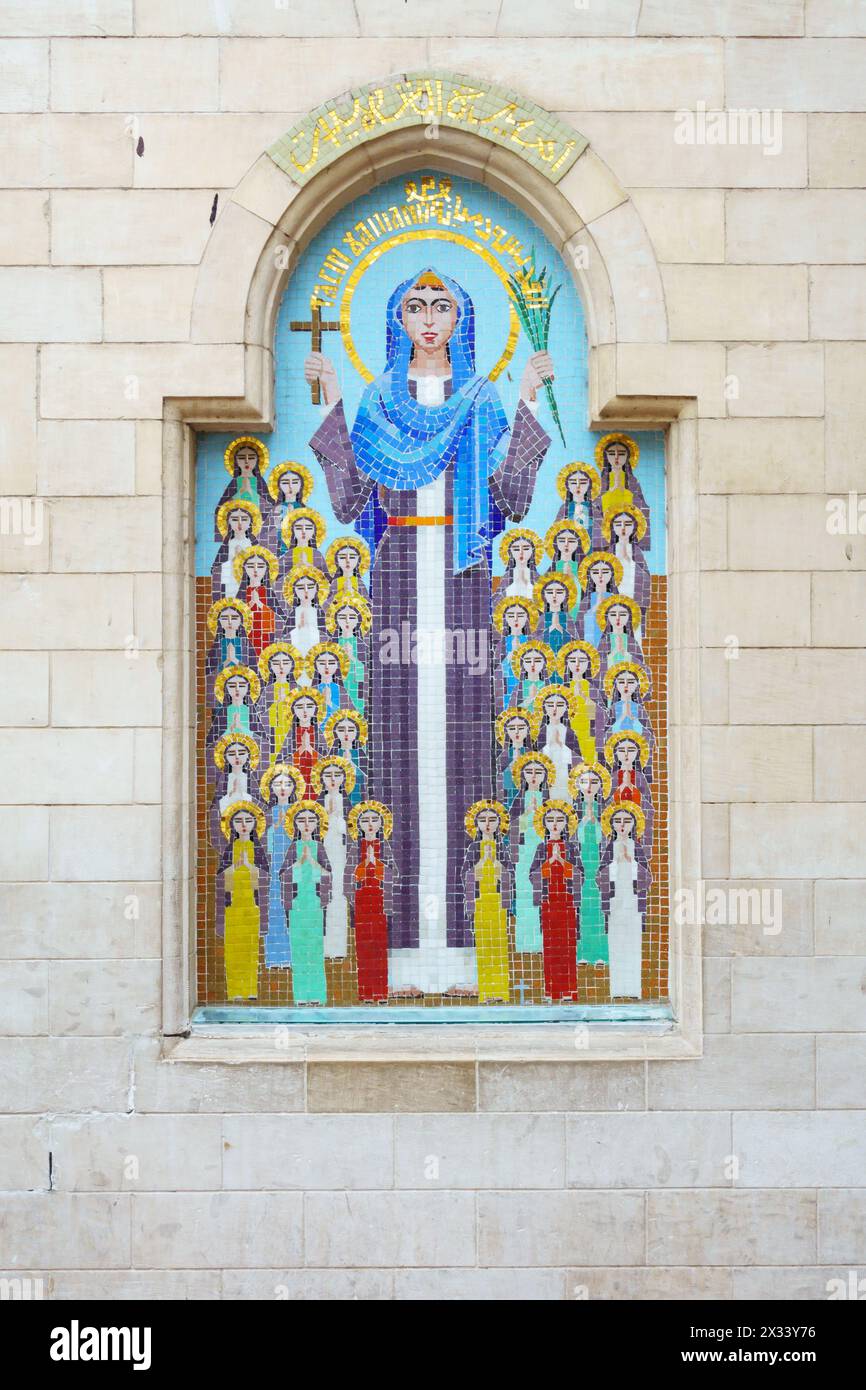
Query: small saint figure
column 369, row 884
column 624, row 880
column 487, row 887
column 554, row 880
column 241, row 896
column 306, row 876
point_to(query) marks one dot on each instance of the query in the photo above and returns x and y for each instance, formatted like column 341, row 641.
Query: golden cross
column 315, row 327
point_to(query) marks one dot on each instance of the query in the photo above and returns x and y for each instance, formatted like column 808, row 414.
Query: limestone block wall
column 124, row 125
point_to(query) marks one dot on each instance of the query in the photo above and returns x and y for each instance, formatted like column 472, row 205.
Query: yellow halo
column 348, row 543
column 357, row 719
column 282, row 770
column 213, row 614
column 619, row 669
column 533, row 644
column 520, row 763
column 627, row 509
column 239, row 504
column 633, row 809
column 626, row 439
column 349, row 600
column 425, row 234
column 333, row 760
column 555, row 577
column 515, row 712
column 231, row 811
column 520, row 533
column 305, row 572
column 624, row 601
column 308, row 692
column 565, row 473
column 577, row 646
column 260, row 448
column 593, row 558
column 554, row 804
column 613, row 741
column 276, row 649
column 306, row 805
column 557, row 529
column 469, row 820
column 378, row 806
column 223, row 743
column 565, row 692
column 514, row 601
column 334, row 649
column 601, row 773
column 226, row 674
column 268, row 556
column 289, row 466
column 302, row 514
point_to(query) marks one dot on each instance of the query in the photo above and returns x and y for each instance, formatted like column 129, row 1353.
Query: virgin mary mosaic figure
column 428, row 473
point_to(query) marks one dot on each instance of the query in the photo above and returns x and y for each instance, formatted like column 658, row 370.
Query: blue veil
column 404, row 445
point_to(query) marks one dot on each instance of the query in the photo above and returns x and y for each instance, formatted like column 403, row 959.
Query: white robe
column 624, row 936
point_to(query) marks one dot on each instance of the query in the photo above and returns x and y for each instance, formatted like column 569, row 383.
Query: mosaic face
column 412, row 829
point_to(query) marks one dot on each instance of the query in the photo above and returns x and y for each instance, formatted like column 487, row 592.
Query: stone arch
column 587, row 215
column 637, row 378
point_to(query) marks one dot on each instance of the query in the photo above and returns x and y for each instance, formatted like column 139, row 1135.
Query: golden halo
column 520, row 533
column 520, row 763
column 333, row 760
column 268, row 556
column 565, row 692
column 557, row 529
column 633, row 809
column 260, row 448
column 613, row 740
column 565, row 473
column 554, row 805
column 226, row 674
column 424, row 234
column 302, row 514
column 306, row 805
column 351, row 543
column 533, row 644
column 619, row 668
column 213, row 614
column 601, row 773
column 318, row 650
column 223, row 743
column 289, row 466
column 555, row 577
column 624, row 601
column 305, row 572
column 627, row 509
column 577, row 646
column 514, row 601
column 349, row 600
column 275, row 649
column 282, row 770
column 357, row 719
column 239, row 504
column 308, row 692
column 515, row 712
column 593, row 558
column 626, row 439
column 358, row 811
column 469, row 820
column 229, row 814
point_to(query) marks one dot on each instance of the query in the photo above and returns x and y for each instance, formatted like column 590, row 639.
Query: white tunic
column 624, row 931
column 433, row 966
column 337, row 911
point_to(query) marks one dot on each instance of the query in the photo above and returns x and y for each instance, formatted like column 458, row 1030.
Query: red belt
column 420, row 521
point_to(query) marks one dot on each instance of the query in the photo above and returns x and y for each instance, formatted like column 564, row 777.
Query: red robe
column 559, row 926
column 264, row 621
column 371, row 924
column 304, row 760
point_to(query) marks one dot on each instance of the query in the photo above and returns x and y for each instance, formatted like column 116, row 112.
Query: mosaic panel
column 431, row 644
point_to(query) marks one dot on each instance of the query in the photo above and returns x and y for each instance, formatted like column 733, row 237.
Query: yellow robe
column 242, row 926
column 491, row 934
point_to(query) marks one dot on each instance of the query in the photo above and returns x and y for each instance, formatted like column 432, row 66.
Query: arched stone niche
column 636, row 379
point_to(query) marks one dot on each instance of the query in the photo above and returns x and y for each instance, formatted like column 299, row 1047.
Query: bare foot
column 408, row 992
column 458, row 992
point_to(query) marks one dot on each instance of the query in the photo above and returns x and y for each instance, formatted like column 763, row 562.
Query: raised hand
column 538, row 369
column 320, row 368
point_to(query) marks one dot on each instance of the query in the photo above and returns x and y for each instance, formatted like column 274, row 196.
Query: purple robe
column 392, row 693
